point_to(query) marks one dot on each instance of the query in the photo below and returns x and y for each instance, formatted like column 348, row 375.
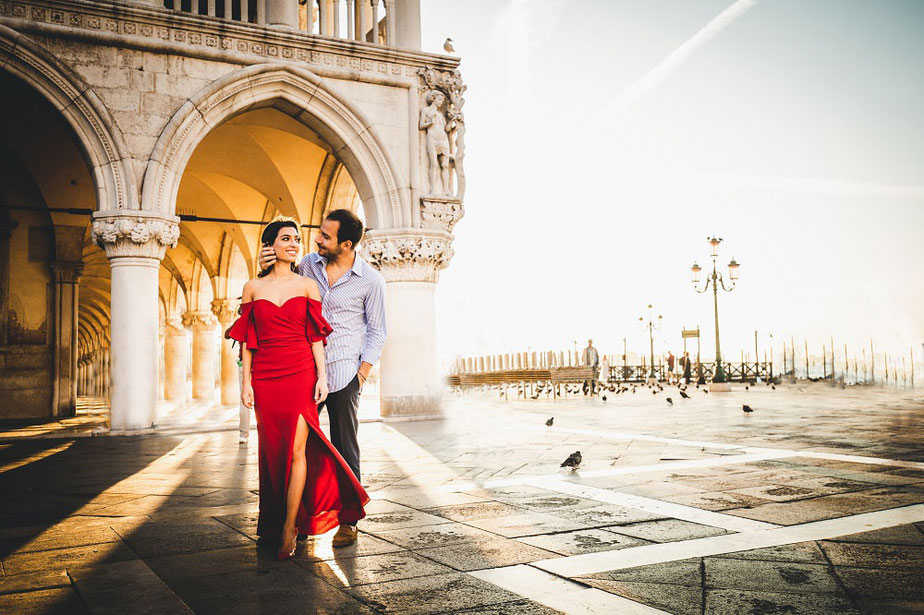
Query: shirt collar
column 357, row 267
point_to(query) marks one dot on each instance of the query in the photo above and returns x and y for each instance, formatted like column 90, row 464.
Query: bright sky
column 606, row 139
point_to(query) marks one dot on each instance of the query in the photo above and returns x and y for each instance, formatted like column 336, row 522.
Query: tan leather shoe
column 345, row 536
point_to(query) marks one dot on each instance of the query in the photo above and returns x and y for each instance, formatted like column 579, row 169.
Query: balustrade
column 371, row 21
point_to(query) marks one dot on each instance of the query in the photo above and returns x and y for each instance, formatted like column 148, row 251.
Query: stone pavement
column 812, row 504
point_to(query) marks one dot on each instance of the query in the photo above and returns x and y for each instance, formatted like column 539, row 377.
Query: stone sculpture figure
column 438, row 150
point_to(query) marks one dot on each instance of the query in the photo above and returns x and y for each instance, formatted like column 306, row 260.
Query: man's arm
column 375, row 329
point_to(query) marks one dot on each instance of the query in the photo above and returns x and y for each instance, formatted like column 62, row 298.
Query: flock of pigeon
column 574, row 459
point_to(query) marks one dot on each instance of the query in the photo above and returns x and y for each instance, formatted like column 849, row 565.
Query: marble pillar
column 135, row 242
column 282, row 13
column 409, row 260
column 176, row 345
column 66, row 276
column 225, row 310
column 202, row 325
column 407, row 16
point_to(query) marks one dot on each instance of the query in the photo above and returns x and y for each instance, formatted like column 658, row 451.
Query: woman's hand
column 320, row 391
column 247, row 395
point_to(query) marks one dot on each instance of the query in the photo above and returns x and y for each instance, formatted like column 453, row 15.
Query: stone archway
column 95, row 144
column 301, row 94
column 96, row 132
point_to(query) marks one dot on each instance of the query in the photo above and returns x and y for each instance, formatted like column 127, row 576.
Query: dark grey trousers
column 342, row 407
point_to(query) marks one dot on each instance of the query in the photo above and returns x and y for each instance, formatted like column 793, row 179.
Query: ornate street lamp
column 716, row 280
column 654, row 324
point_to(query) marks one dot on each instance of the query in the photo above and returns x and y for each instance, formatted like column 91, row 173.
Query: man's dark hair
column 351, row 227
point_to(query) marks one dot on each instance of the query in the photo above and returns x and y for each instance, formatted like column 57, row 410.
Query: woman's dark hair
column 268, row 238
column 351, row 227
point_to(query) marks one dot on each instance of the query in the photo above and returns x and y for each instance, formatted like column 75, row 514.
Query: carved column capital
column 173, row 325
column 440, row 212
column 199, row 321
column 136, row 233
column 408, row 255
column 66, row 272
column 225, row 310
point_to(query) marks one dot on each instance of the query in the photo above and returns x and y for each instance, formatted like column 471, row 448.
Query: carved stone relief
column 442, row 126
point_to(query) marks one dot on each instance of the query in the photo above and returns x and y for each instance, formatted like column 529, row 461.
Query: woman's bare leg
column 297, row 476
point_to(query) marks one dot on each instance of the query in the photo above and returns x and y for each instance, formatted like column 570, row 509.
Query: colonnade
column 93, row 369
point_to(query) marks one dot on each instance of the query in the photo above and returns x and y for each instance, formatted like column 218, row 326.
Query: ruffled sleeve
column 317, row 326
column 243, row 329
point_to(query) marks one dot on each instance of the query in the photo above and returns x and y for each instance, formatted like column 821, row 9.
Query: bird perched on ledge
column 447, row 46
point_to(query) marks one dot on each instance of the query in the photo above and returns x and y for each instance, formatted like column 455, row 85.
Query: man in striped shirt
column 353, row 302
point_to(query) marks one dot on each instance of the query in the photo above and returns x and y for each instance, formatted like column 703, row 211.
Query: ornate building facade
column 144, row 143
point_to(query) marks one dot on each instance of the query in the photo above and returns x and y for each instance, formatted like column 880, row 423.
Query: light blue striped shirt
column 355, row 309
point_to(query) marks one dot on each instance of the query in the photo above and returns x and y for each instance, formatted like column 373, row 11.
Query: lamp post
column 654, row 324
column 716, row 280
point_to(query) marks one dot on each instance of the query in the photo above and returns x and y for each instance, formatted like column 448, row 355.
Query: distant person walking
column 670, row 367
column 687, row 367
column 592, row 360
column 604, row 370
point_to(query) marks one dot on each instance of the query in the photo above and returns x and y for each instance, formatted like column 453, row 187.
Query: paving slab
column 743, row 602
column 482, row 554
column 668, row 530
column 583, row 541
column 426, row 536
column 126, row 587
column 770, row 576
column 433, row 594
column 366, row 569
column 60, row 601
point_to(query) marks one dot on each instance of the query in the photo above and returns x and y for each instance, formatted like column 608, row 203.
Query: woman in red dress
column 305, row 485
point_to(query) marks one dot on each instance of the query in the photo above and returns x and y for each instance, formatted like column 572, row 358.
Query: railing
column 371, row 21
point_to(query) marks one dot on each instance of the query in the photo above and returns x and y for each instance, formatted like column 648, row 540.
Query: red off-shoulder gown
column 283, row 375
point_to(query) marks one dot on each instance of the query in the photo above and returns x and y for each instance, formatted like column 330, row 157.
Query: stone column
column 409, row 260
column 203, row 357
column 408, row 18
column 135, row 242
column 66, row 276
column 282, row 13
column 175, row 349
column 225, row 310
column 390, row 23
column 107, row 377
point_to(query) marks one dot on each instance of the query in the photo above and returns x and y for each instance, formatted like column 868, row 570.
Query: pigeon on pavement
column 573, row 460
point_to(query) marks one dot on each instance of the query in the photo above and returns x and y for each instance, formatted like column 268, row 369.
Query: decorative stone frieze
column 135, row 233
column 408, row 255
column 225, row 310
column 440, row 213
column 201, row 35
column 199, row 321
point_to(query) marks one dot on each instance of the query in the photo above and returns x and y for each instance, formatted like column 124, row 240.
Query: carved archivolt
column 408, row 255
column 257, row 85
column 135, row 234
column 81, row 109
